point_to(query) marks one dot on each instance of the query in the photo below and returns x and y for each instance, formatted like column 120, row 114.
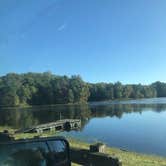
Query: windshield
column 51, row 153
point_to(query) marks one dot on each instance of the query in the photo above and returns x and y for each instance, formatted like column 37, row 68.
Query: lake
column 134, row 125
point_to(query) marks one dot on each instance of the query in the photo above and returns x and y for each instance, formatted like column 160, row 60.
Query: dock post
column 98, row 147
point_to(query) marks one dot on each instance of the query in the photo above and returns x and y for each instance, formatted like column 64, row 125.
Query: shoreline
column 128, row 158
column 81, row 103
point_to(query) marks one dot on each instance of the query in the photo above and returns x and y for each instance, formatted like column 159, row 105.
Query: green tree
column 118, row 90
column 160, row 88
column 127, row 91
column 70, row 96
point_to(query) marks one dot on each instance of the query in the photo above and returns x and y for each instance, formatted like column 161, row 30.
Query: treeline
column 103, row 91
column 46, row 88
column 41, row 89
column 109, row 91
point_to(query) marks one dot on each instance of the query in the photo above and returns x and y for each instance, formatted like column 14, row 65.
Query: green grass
column 127, row 158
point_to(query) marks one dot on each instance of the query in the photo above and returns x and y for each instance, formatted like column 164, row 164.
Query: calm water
column 136, row 125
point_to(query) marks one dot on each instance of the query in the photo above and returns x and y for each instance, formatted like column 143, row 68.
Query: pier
column 65, row 124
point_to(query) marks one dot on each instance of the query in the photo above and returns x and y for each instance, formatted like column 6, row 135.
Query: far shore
column 74, row 104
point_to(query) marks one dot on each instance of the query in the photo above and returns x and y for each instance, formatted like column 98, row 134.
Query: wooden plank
column 51, row 125
column 85, row 157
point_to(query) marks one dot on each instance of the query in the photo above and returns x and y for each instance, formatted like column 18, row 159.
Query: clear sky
column 101, row 40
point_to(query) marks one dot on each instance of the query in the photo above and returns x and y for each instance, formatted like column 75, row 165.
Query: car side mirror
column 53, row 151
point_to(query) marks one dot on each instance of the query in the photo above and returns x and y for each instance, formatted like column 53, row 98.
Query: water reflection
column 21, row 118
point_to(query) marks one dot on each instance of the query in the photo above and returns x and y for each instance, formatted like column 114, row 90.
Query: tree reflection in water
column 21, row 118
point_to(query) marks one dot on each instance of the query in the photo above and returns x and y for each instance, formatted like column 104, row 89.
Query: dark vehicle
column 52, row 151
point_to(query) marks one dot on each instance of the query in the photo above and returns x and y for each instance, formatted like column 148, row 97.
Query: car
column 37, row 151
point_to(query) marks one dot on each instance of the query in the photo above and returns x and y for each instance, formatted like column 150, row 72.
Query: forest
column 47, row 88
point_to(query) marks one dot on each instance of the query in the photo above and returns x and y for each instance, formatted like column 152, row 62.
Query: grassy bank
column 127, row 158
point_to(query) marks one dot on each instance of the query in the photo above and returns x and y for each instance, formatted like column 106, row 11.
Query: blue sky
column 101, row 40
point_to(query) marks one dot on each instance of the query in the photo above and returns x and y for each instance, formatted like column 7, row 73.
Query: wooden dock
column 65, row 124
